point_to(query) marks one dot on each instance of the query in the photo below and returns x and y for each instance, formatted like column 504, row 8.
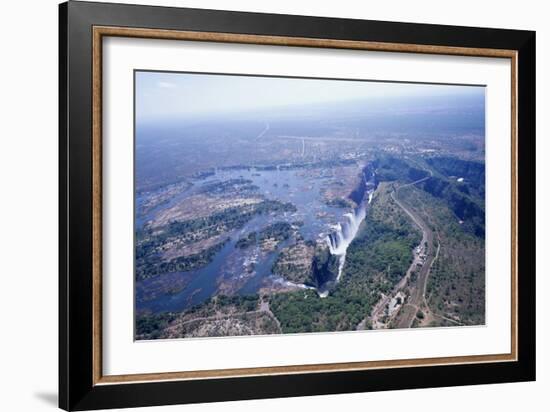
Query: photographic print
column 279, row 205
column 238, row 184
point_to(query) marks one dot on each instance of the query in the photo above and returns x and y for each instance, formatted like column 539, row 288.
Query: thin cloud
column 166, row 85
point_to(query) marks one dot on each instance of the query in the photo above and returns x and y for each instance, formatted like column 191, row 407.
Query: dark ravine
column 324, row 267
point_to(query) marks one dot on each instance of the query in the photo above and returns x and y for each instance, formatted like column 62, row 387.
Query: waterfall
column 343, row 233
column 342, row 236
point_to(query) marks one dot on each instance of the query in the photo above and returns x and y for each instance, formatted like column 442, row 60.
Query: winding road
column 424, row 256
column 264, row 309
column 416, row 298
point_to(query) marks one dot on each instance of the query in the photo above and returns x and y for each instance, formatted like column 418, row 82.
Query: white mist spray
column 339, row 241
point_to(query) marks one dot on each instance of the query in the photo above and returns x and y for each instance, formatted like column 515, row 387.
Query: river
column 321, row 223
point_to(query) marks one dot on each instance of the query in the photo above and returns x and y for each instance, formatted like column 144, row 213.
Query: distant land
column 314, row 216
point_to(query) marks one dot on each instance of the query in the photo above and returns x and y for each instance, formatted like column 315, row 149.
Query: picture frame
column 83, row 27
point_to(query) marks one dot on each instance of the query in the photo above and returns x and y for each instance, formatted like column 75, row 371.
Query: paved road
column 378, row 310
column 405, row 318
column 263, row 132
column 416, row 299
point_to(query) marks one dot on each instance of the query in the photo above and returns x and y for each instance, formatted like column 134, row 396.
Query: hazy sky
column 169, row 95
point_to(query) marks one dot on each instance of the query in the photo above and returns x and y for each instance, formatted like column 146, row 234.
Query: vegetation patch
column 294, row 263
column 455, row 291
column 151, row 243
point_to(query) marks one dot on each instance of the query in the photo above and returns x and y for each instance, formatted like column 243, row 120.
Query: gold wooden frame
column 101, row 31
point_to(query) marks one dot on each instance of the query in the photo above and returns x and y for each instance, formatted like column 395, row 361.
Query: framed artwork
column 257, row 205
